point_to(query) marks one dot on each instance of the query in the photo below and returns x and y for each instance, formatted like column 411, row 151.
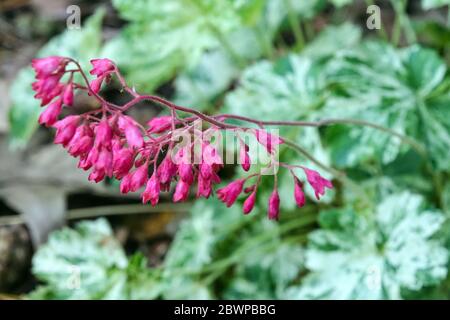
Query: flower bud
column 103, row 134
column 181, row 191
column 68, row 95
column 167, row 170
column 125, row 183
column 96, row 175
column 132, row 132
column 122, row 162
column 104, row 162
column 51, row 113
column 138, row 178
column 299, row 195
column 102, row 67
column 65, row 129
column 317, row 182
column 244, row 157
column 204, row 188
column 274, row 205
column 152, row 190
column 249, row 203
column 45, row 67
column 270, row 141
column 82, row 141
column 231, row 192
column 159, row 124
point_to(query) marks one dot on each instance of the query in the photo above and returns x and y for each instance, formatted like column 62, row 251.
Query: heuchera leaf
column 358, row 256
column 397, row 89
column 431, row 4
column 166, row 37
column 265, row 274
column 87, row 262
column 194, row 247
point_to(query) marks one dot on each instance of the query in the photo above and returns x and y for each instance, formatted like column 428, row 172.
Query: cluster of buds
column 149, row 157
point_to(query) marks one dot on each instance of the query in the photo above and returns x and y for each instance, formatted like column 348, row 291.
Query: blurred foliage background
column 383, row 233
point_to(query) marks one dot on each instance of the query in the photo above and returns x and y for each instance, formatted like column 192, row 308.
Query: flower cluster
column 111, row 144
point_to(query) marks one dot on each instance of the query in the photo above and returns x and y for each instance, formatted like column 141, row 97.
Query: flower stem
column 402, row 21
column 294, row 22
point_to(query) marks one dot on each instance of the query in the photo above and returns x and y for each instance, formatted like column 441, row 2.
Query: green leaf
column 397, row 89
column 431, row 4
column 266, row 274
column 81, row 45
column 333, row 38
column 198, row 86
column 195, row 246
column 356, row 256
column 164, row 38
column 340, row 3
column 89, row 263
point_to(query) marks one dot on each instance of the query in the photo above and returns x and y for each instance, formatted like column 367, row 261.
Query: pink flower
column 125, row 184
column 138, row 178
column 51, row 113
column 102, row 67
column 65, row 129
column 96, row 175
column 167, row 170
column 204, row 188
column 84, row 163
column 317, row 182
column 244, row 157
column 152, row 190
column 299, row 195
column 45, row 67
column 122, row 162
column 92, row 156
column 96, row 84
column 184, row 166
column 250, row 189
column 105, row 162
column 205, row 170
column 68, row 95
column 274, row 205
column 249, row 203
column 47, row 88
column 270, row 141
column 210, row 156
column 132, row 132
column 159, row 124
column 103, row 134
column 229, row 194
column 81, row 142
column 181, row 191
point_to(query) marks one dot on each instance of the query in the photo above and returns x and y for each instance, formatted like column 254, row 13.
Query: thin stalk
column 103, row 211
column 402, row 21
column 310, row 157
column 327, row 122
column 448, row 16
column 217, row 267
column 256, row 242
column 436, row 178
column 227, row 46
column 294, row 22
column 265, row 42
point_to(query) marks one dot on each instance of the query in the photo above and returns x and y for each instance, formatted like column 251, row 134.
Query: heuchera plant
column 112, row 144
